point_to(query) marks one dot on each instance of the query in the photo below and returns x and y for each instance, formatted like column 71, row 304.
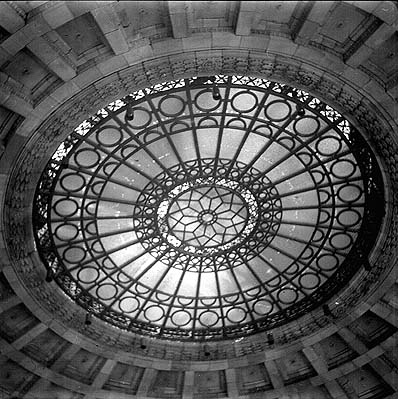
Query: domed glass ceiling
column 207, row 208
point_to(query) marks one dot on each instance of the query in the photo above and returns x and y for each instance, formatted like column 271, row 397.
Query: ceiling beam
column 54, row 60
column 345, row 381
column 309, row 24
column 335, row 390
column 317, row 361
column 34, row 366
column 189, row 381
column 352, row 340
column 57, row 13
column 178, row 11
column 274, row 374
column 363, row 51
column 391, row 296
column 14, row 95
column 384, row 370
column 39, row 388
column 384, row 10
column 65, row 358
column 10, row 19
column 146, row 382
column 246, row 15
column 385, row 312
column 108, row 21
column 8, row 303
column 102, row 377
column 232, row 387
column 20, row 342
column 391, row 377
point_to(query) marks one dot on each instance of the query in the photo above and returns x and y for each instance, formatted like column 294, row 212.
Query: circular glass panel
column 210, row 230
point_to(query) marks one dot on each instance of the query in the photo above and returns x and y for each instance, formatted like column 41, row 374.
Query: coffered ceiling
column 62, row 62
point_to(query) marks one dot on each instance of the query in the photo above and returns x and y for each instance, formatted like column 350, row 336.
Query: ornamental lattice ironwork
column 208, row 208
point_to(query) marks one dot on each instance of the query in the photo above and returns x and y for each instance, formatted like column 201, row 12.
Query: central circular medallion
column 206, row 215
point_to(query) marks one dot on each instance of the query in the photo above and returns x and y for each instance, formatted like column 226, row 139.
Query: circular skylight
column 207, row 208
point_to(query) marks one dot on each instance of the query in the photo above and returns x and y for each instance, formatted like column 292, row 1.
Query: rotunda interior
column 198, row 199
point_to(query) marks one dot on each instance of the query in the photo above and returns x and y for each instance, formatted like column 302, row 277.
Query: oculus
column 181, row 214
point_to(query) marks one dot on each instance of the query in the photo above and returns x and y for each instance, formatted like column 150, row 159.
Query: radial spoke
column 297, row 259
column 266, row 146
column 307, row 169
column 315, row 225
column 96, row 237
column 174, row 295
column 358, row 205
column 155, row 286
column 221, row 125
column 142, row 145
column 251, row 126
column 240, row 290
column 109, row 252
column 295, row 151
column 219, row 297
column 333, row 251
column 165, row 132
column 96, row 198
column 303, row 190
column 260, row 282
column 122, row 265
column 115, row 157
column 105, row 179
column 289, row 280
column 193, row 125
column 91, row 218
